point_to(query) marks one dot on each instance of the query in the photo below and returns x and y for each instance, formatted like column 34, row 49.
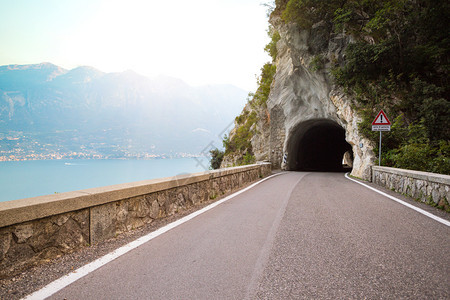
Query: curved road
column 296, row 235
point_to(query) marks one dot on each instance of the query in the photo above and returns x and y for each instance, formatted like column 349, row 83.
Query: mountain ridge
column 157, row 115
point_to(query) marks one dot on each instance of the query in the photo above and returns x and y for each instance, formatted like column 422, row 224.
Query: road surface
column 296, row 235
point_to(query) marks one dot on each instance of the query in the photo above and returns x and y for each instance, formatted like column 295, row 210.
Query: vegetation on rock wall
column 399, row 62
column 271, row 47
column 239, row 144
column 259, row 99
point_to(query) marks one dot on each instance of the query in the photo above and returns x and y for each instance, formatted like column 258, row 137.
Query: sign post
column 381, row 123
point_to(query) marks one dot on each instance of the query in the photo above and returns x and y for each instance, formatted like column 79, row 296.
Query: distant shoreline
column 99, row 157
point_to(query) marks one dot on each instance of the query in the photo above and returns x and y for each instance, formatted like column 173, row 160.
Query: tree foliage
column 216, row 158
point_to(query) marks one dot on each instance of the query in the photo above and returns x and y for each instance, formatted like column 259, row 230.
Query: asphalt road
column 297, row 235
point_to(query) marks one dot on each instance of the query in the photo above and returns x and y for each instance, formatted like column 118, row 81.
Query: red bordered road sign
column 381, row 122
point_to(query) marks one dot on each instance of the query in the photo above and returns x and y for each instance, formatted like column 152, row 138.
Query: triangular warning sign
column 381, row 119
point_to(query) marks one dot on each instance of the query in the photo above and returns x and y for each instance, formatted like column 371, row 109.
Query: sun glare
column 198, row 41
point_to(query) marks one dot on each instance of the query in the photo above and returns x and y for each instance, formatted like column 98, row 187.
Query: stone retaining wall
column 426, row 187
column 38, row 229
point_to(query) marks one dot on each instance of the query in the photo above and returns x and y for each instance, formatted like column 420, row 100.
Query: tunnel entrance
column 318, row 145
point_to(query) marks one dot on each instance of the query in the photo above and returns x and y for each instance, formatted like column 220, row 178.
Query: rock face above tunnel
column 302, row 94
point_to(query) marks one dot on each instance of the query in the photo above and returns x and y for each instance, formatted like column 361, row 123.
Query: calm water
column 23, row 179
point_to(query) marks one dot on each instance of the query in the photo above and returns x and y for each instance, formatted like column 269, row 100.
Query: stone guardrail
column 426, row 187
column 34, row 230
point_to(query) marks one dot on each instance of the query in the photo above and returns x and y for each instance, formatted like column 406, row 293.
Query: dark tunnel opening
column 318, row 145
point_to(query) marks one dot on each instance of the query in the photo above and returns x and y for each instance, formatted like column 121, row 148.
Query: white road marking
column 436, row 218
column 66, row 280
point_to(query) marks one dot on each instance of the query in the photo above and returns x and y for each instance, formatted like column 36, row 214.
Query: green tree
column 216, row 158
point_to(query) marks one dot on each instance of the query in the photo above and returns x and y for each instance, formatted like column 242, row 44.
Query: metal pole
column 379, row 151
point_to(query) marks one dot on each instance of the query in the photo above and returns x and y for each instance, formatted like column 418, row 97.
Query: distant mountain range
column 44, row 107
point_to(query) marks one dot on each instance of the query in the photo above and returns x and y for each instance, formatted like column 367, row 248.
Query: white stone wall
column 425, row 187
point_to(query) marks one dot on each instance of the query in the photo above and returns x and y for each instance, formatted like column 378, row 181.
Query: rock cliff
column 308, row 116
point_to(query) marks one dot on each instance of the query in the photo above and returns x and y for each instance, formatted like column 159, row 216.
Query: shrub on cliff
column 271, row 47
column 239, row 142
column 216, row 158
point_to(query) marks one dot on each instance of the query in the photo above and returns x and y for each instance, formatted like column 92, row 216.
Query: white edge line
column 436, row 218
column 66, row 280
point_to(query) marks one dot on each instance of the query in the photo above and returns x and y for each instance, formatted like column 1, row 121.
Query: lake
column 24, row 179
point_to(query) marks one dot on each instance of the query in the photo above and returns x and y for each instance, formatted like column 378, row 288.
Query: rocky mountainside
column 303, row 97
column 302, row 91
column 338, row 63
column 110, row 113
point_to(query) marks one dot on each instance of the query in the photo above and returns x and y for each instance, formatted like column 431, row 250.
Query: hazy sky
column 199, row 41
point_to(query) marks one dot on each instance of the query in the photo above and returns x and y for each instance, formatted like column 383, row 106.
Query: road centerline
column 266, row 249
